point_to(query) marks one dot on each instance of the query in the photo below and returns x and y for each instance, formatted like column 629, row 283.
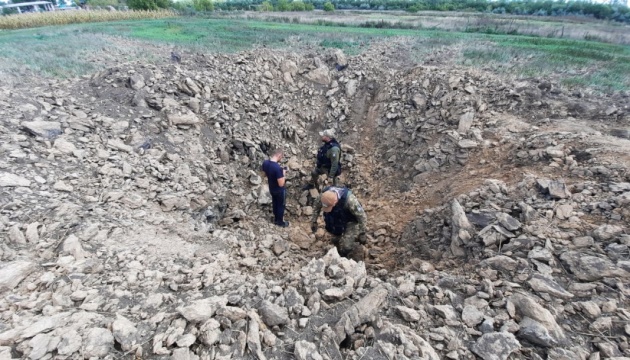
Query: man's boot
column 359, row 253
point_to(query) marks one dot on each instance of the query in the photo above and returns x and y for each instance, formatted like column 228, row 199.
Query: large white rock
column 72, row 246
column 45, row 129
column 202, row 310
column 12, row 273
column 98, row 343
column 64, row 146
column 12, row 180
column 70, row 343
column 124, row 332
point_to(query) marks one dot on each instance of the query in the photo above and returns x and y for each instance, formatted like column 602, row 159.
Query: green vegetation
column 578, row 63
column 575, row 8
column 148, row 4
column 328, row 6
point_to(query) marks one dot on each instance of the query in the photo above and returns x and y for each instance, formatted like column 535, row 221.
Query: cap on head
column 328, row 133
column 329, row 200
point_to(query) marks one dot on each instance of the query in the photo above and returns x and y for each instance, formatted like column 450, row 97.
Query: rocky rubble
column 135, row 222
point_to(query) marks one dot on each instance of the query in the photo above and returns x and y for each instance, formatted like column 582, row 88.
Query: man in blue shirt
column 275, row 176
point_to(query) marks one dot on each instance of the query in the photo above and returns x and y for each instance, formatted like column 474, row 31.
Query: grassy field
column 77, row 49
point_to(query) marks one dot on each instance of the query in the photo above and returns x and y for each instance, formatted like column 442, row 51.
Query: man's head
column 277, row 155
column 327, row 135
column 329, row 200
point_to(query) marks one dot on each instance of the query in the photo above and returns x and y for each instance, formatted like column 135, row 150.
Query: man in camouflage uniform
column 328, row 160
column 345, row 218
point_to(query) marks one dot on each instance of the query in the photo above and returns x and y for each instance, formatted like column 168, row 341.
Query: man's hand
column 314, row 227
column 363, row 238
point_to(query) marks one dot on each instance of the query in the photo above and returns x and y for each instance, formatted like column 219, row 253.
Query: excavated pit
column 490, row 201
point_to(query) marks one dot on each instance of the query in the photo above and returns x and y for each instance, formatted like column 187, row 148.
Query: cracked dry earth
column 135, row 223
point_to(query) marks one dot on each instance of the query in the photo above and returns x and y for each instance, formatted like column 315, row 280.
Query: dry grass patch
column 30, row 20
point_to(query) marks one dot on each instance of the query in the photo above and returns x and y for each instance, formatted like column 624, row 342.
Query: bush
column 103, row 3
column 9, row 11
column 309, row 7
column 148, row 4
column 328, row 6
column 265, row 6
column 297, row 6
column 283, row 5
column 203, row 5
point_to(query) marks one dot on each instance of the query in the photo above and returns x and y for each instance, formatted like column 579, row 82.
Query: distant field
column 79, row 49
column 541, row 26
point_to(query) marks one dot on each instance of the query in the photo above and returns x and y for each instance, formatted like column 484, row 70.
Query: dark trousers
column 278, row 199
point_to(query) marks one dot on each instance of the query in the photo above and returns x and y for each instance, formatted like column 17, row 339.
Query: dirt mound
column 137, row 223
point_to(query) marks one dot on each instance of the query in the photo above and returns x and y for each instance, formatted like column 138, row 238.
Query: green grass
column 63, row 51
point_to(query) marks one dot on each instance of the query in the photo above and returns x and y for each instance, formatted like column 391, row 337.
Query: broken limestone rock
column 12, row 180
column 12, row 273
column 124, row 332
column 305, row 350
column 44, row 129
column 321, row 75
column 359, row 313
column 202, row 310
column 591, row 268
column 273, row 314
column 496, row 346
column 98, row 342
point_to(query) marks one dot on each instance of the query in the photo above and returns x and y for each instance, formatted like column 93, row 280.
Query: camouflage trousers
column 321, row 171
column 348, row 243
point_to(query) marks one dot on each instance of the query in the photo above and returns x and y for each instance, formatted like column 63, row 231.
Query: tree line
column 609, row 11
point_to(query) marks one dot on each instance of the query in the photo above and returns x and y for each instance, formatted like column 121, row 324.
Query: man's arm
column 281, row 180
column 333, row 154
column 356, row 209
column 317, row 208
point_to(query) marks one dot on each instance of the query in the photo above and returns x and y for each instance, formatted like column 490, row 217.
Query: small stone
column 471, row 316
column 305, row 350
column 534, row 332
column 508, row 221
column 186, row 340
column 446, row 311
column 408, row 314
column 601, row 324
column 542, row 284
column 273, row 314
column 202, row 310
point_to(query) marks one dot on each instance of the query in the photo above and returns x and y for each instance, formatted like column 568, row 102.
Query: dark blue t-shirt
column 274, row 172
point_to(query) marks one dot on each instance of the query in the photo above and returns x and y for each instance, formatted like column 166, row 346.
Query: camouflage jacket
column 352, row 205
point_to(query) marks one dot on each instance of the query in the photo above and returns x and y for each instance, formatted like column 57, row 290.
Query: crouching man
column 345, row 219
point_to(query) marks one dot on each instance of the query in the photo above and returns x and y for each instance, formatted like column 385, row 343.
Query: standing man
column 328, row 160
column 345, row 218
column 275, row 176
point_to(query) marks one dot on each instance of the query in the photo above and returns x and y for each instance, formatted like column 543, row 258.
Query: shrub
column 148, row 4
column 283, row 5
column 328, row 6
column 297, row 6
column 203, row 5
column 265, row 6
column 309, row 7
